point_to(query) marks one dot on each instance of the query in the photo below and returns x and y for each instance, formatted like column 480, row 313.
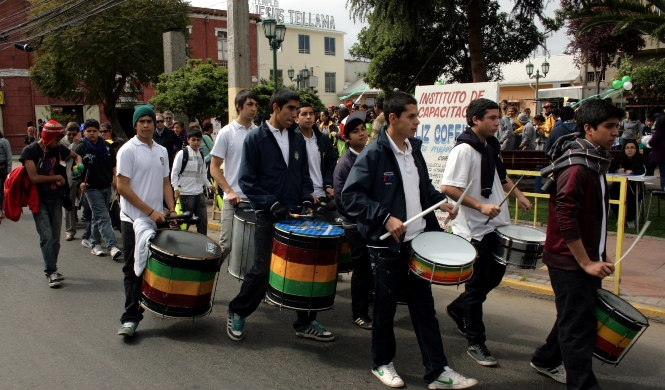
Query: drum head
column 443, row 248
column 246, row 215
column 623, row 307
column 330, row 217
column 308, row 228
column 523, row 233
column 185, row 244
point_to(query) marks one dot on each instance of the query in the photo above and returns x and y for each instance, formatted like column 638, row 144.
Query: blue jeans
column 49, row 223
column 391, row 272
column 100, row 225
column 573, row 336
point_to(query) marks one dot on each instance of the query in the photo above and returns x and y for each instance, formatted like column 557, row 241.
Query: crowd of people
column 368, row 164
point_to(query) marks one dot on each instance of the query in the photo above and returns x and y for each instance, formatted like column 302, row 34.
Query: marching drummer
column 575, row 245
column 387, row 185
column 476, row 156
column 274, row 175
column 228, row 150
column 143, row 183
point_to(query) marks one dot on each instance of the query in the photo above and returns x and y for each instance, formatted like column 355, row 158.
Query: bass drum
column 334, row 218
column 241, row 258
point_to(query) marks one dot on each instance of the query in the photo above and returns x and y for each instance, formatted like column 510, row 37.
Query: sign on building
column 269, row 9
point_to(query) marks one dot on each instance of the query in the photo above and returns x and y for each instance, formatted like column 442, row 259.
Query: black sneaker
column 481, row 355
column 458, row 318
column 364, row 322
column 53, row 280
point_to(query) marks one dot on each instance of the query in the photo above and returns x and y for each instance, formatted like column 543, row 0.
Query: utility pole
column 240, row 71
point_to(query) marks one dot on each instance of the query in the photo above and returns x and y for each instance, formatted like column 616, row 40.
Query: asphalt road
column 66, row 337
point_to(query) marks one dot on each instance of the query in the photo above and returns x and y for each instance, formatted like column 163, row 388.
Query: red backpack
column 19, row 192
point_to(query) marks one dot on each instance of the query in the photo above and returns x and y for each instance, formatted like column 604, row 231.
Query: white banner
column 442, row 115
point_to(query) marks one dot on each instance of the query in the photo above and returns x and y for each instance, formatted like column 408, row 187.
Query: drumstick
column 429, row 210
column 644, row 229
column 507, row 195
column 459, row 202
column 301, row 216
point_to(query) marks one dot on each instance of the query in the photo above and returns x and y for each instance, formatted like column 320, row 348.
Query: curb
column 214, row 225
column 652, row 312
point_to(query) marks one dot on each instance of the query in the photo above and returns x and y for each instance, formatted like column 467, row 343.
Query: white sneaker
column 115, row 253
column 97, row 250
column 450, row 379
column 86, row 243
column 388, row 376
column 557, row 373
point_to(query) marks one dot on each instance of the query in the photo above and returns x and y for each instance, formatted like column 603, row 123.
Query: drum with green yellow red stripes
column 303, row 267
column 179, row 277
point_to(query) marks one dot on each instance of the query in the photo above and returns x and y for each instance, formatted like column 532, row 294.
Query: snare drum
column 334, row 218
column 179, row 276
column 520, row 246
column 442, row 258
column 241, row 258
column 303, row 267
column 619, row 327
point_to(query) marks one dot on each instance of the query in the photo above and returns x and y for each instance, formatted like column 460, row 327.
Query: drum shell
column 440, row 273
column 241, row 257
column 518, row 253
column 179, row 286
column 619, row 325
column 334, row 218
column 303, row 271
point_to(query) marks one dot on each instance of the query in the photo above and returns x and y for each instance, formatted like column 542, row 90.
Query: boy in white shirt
column 189, row 179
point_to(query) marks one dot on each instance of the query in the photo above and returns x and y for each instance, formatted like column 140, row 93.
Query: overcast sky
column 337, row 8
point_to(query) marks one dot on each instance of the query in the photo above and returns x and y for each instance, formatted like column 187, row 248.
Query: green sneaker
column 234, row 326
column 128, row 329
column 314, row 330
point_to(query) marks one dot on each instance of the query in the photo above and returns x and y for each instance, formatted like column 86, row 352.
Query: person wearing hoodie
column 528, row 133
column 567, row 126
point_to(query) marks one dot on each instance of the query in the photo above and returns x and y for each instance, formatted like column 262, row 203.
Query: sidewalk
column 642, row 274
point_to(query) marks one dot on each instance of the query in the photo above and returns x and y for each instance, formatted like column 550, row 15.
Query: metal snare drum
column 520, row 246
column 241, row 258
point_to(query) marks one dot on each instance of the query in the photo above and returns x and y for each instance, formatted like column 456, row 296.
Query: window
column 303, row 44
column 222, row 47
column 330, row 82
column 591, row 77
column 279, row 74
column 329, row 44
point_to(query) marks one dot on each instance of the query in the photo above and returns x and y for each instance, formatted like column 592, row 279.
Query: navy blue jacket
column 565, row 128
column 374, row 191
column 328, row 156
column 264, row 177
column 341, row 174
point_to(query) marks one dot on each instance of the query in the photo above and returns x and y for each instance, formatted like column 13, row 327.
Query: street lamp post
column 275, row 34
column 529, row 71
column 302, row 76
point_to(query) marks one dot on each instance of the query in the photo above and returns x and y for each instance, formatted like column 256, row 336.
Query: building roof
column 358, row 87
column 220, row 12
column 562, row 71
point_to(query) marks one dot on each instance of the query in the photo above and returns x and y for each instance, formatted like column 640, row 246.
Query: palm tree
column 647, row 16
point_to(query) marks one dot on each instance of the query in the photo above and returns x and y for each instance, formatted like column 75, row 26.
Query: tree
column 396, row 63
column 198, row 90
column 402, row 18
column 265, row 88
column 648, row 81
column 112, row 54
column 646, row 16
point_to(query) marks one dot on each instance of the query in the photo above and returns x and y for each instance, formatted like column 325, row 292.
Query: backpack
column 185, row 158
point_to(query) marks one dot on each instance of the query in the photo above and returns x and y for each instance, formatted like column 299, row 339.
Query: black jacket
column 341, row 174
column 169, row 139
column 101, row 170
column 374, row 191
column 264, row 177
column 565, row 128
column 328, row 156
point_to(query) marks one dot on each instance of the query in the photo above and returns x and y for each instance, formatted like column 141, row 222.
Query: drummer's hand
column 157, row 217
column 598, row 269
column 448, row 208
column 307, row 206
column 330, row 192
column 395, row 227
column 316, row 199
column 233, row 198
column 524, row 203
column 176, row 194
column 490, row 210
column 279, row 211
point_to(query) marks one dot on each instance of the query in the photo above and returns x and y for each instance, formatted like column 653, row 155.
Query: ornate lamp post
column 303, row 76
column 275, row 34
column 529, row 71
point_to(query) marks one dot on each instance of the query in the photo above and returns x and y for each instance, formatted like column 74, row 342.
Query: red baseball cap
column 548, row 105
column 349, row 104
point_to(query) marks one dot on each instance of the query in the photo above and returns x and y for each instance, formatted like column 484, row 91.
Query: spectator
column 630, row 162
column 541, row 131
column 326, row 124
column 556, row 115
column 110, row 137
column 631, row 127
column 167, row 138
column 506, row 129
column 504, row 107
column 31, row 137
column 107, row 133
column 528, row 134
column 179, row 130
column 380, row 120
column 657, row 143
column 71, row 141
column 567, row 126
column 207, row 143
column 5, row 167
column 168, row 121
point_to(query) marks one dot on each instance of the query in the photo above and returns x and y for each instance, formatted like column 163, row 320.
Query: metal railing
column 616, row 279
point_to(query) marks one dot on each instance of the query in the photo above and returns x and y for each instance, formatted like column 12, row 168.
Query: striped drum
column 442, row 258
column 334, row 218
column 303, row 267
column 179, row 276
column 619, row 326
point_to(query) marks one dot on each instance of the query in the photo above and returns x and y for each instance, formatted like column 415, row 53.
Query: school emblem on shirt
column 388, row 178
column 296, row 155
column 162, row 160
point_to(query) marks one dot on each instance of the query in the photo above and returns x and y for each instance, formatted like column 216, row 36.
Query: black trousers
column 573, row 336
column 487, row 274
column 133, row 311
column 362, row 278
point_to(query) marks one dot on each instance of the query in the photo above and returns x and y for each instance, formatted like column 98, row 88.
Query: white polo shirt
column 146, row 167
column 314, row 161
column 228, row 146
column 464, row 164
column 411, row 180
column 282, row 138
